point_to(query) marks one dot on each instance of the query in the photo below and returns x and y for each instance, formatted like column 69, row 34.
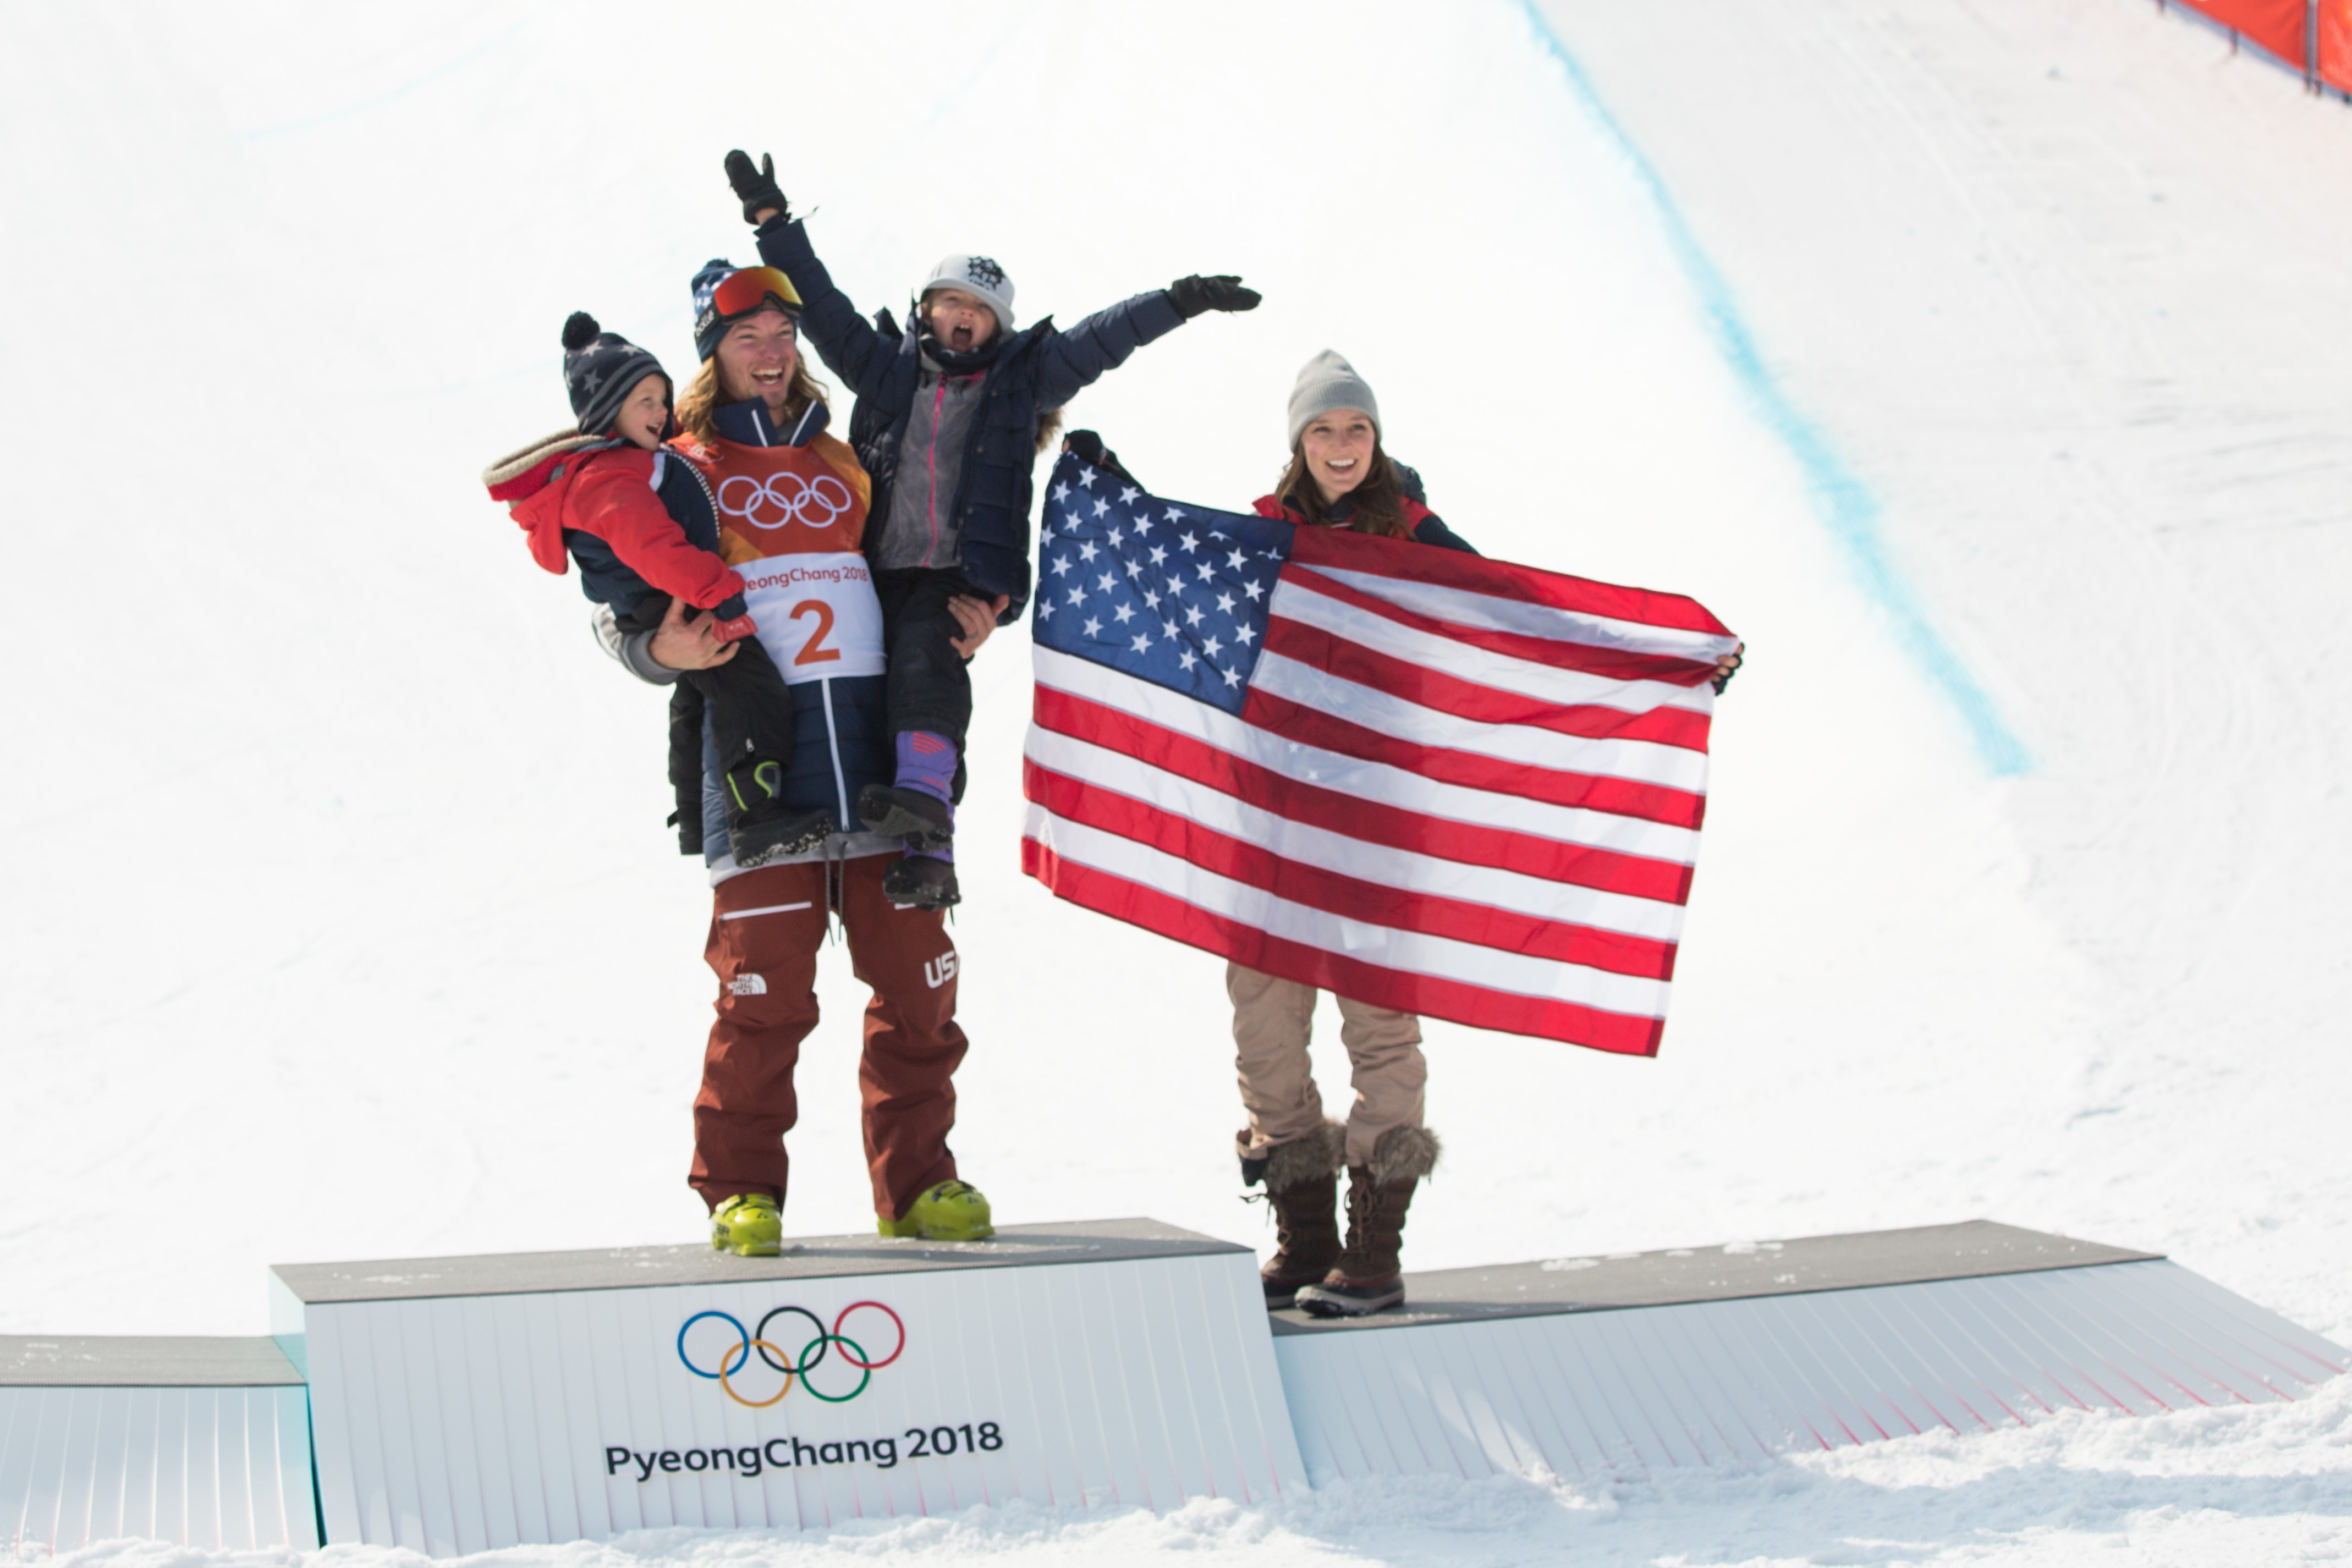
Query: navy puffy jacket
column 1035, row 371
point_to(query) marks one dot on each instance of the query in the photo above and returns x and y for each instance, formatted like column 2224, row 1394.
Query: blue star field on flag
column 1171, row 594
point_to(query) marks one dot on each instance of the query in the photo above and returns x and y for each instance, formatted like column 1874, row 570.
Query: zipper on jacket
column 709, row 497
column 932, row 463
column 833, row 749
column 711, row 500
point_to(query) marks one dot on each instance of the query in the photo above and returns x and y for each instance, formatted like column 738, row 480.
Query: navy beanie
column 709, row 326
column 600, row 370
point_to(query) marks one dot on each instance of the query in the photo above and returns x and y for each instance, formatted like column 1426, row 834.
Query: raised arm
column 844, row 339
column 1073, row 359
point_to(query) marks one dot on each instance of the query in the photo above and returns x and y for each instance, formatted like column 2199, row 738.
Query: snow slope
column 342, row 922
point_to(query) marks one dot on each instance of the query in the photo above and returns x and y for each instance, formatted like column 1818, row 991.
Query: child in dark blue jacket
column 946, row 425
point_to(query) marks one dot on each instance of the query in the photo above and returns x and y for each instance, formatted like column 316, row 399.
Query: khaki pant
column 1272, row 1020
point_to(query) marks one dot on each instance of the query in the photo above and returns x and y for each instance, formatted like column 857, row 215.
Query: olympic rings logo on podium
column 787, row 497
column 814, row 1352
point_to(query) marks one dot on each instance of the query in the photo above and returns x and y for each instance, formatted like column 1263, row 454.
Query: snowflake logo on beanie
column 984, row 270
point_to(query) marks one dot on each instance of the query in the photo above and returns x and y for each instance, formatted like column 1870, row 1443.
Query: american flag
column 1410, row 775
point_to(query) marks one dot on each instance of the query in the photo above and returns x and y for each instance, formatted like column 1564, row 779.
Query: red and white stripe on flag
column 1457, row 787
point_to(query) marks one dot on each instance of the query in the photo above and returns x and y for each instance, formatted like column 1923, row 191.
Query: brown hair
column 698, row 405
column 1378, row 502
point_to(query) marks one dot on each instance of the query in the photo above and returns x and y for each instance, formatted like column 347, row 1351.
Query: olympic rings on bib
column 785, row 497
column 750, row 1342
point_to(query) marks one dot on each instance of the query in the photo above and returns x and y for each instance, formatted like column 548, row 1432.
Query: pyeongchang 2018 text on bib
column 817, row 614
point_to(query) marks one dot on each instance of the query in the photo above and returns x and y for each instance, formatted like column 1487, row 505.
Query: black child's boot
column 924, row 880
column 923, row 820
column 1369, row 1275
column 760, row 827
column 1302, row 1184
column 914, row 805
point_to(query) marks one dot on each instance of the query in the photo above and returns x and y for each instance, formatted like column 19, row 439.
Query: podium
column 460, row 1404
column 201, row 1441
column 468, row 1404
column 1606, row 1367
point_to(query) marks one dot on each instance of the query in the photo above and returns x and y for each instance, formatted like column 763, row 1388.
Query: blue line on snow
column 1844, row 502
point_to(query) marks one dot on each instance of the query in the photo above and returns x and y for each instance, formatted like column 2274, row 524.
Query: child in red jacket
column 639, row 518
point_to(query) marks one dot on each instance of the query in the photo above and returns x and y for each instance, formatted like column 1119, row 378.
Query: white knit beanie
column 979, row 277
column 1327, row 382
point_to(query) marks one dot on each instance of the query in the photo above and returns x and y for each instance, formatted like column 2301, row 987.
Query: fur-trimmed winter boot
column 1369, row 1274
column 1302, row 1182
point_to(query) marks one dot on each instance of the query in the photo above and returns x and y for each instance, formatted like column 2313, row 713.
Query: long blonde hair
column 698, row 405
column 1378, row 502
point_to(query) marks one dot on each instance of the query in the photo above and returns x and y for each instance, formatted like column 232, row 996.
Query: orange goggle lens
column 740, row 292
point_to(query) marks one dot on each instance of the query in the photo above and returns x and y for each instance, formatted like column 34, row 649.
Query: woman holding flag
column 1340, row 478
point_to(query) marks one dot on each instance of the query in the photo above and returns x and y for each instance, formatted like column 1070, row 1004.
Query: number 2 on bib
column 814, row 651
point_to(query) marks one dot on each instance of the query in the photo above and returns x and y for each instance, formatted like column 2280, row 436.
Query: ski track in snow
column 342, row 922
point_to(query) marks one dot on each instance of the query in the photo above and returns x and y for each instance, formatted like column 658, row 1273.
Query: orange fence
column 2313, row 38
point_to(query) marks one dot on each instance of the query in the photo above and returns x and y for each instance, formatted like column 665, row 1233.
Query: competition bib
column 817, row 613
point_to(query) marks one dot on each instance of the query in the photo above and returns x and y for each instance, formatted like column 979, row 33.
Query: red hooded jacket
column 608, row 493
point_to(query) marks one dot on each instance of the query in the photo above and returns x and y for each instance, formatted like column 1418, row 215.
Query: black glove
column 756, row 186
column 1223, row 291
column 1090, row 450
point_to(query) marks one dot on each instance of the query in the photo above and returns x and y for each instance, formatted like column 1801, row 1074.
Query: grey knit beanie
column 1326, row 382
column 979, row 277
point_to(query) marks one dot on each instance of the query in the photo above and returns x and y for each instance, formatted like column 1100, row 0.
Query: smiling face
column 960, row 321
column 1338, row 447
column 644, row 413
column 757, row 359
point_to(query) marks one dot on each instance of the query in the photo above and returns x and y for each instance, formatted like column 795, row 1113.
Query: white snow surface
column 342, row 922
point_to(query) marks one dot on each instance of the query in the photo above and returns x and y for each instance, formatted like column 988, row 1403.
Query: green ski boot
column 749, row 1224
column 951, row 1211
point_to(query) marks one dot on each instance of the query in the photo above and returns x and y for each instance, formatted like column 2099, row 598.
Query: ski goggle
column 744, row 291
